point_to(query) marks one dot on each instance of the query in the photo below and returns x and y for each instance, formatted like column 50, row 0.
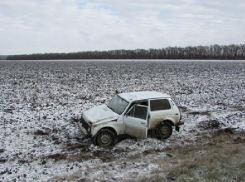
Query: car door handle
column 142, row 122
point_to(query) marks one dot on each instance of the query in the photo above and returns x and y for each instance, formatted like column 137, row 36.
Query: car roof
column 142, row 95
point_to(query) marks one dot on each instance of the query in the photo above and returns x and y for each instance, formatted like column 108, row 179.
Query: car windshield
column 118, row 105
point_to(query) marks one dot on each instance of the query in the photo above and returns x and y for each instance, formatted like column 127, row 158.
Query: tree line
column 222, row 52
column 2, row 57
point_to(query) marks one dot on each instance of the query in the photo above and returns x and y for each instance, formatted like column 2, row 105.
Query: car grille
column 85, row 125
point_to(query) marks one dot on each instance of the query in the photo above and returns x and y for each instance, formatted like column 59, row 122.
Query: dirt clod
column 40, row 132
column 209, row 124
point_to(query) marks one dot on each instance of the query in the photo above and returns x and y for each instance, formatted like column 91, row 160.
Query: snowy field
column 38, row 99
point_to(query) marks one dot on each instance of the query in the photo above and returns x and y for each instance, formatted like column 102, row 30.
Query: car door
column 135, row 121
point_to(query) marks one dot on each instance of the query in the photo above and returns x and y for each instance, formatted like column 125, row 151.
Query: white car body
column 132, row 113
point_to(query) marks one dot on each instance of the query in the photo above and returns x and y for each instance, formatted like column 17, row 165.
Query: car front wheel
column 105, row 138
column 164, row 130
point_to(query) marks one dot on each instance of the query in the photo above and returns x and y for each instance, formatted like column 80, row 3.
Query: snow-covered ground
column 38, row 99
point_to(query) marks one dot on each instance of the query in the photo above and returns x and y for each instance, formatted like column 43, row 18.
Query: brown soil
column 218, row 156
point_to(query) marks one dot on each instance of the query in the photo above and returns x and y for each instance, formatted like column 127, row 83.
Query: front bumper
column 177, row 126
column 84, row 127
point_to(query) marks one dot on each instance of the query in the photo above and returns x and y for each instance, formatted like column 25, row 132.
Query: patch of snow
column 39, row 141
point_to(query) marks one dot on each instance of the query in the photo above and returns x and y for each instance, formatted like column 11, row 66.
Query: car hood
column 99, row 114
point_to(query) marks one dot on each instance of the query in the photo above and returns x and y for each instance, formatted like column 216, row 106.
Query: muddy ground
column 39, row 140
column 216, row 155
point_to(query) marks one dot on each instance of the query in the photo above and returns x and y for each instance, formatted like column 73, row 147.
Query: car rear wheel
column 105, row 138
column 164, row 130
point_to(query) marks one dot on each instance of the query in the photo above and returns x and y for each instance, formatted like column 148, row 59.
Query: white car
column 133, row 113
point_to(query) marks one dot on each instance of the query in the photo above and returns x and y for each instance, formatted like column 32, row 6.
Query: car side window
column 131, row 112
column 138, row 112
column 161, row 104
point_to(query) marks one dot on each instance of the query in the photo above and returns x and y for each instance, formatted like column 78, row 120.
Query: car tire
column 105, row 138
column 164, row 130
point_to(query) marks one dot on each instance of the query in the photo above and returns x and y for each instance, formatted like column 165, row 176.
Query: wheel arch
column 165, row 121
column 109, row 128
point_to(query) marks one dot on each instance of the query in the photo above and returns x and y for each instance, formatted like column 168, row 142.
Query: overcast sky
column 50, row 26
